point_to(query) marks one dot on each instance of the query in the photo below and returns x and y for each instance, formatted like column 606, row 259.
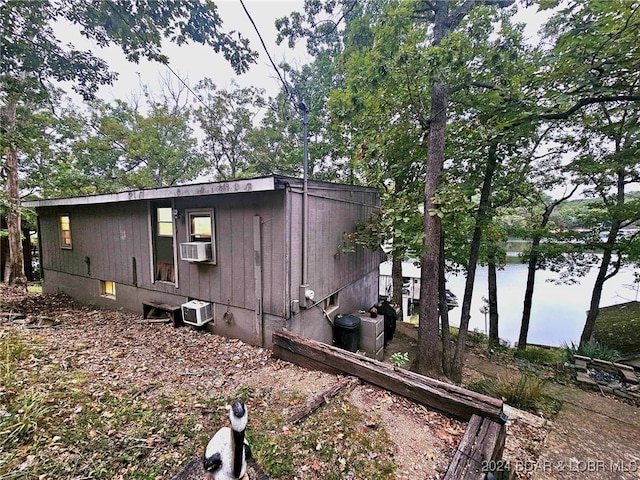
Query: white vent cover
column 197, row 312
column 195, row 251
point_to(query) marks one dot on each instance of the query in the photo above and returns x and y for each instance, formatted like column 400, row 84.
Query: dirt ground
column 153, row 359
column 595, row 436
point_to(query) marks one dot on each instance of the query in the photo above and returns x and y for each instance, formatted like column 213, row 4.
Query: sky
column 195, row 62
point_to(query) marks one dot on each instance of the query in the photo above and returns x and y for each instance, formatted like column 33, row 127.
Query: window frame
column 203, row 212
column 164, row 222
column 62, row 231
column 332, row 303
column 107, row 292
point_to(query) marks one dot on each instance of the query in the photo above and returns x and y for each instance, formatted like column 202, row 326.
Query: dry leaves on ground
column 155, row 394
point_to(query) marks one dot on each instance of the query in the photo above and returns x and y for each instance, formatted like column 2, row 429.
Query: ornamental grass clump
column 593, row 350
column 525, row 392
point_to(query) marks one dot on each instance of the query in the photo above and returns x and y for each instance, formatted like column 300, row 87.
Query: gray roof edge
column 297, row 182
column 259, row 184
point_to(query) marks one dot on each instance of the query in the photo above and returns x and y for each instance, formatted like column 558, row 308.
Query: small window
column 165, row 222
column 200, row 227
column 65, row 231
column 331, row 302
column 108, row 289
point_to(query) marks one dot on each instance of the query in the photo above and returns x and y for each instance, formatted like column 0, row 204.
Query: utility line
column 266, row 50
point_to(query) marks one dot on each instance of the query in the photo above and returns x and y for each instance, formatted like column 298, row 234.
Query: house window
column 165, row 222
column 201, row 225
column 108, row 289
column 163, row 242
column 65, row 231
column 331, row 302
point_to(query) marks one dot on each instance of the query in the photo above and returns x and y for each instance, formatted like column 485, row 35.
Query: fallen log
column 315, row 402
column 450, row 399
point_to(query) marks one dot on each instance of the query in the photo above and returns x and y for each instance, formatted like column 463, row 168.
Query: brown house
column 249, row 257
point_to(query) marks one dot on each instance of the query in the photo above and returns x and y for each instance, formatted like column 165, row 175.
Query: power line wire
column 266, row 50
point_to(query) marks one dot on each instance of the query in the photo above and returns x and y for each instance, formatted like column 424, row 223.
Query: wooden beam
column 479, row 451
column 450, row 399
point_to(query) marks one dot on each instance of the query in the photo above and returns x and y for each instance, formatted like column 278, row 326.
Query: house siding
column 332, row 213
column 258, row 237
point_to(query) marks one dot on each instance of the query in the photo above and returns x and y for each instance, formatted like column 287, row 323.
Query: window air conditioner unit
column 197, row 312
column 195, row 251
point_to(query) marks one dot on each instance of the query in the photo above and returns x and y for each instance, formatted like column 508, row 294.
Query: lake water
column 558, row 312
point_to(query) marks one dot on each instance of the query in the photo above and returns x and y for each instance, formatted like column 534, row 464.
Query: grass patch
column 56, row 423
column 593, row 350
column 59, row 422
column 525, row 392
column 618, row 327
column 337, row 441
column 540, row 356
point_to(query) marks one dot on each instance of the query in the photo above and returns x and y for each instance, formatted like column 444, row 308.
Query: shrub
column 593, row 350
column 477, row 338
column 525, row 392
column 539, row 356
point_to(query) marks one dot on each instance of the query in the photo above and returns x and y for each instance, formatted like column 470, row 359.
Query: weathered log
column 450, row 399
column 479, row 452
column 315, row 402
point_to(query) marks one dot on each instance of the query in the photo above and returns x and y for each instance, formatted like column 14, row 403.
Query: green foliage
column 593, row 350
column 400, row 359
column 227, row 122
column 18, row 425
column 33, row 52
column 478, row 339
column 525, row 392
column 122, row 148
column 539, row 356
column 13, row 350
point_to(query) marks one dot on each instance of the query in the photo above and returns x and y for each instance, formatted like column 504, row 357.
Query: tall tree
column 608, row 165
column 128, row 149
column 596, row 56
column 227, row 119
column 446, row 17
column 544, row 209
column 32, row 54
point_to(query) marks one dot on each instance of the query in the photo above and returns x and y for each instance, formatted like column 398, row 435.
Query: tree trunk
column 596, row 294
column 528, row 293
column 429, row 344
column 14, row 270
column 474, row 253
column 494, row 339
column 396, row 278
column 429, row 352
column 603, row 275
column 532, row 267
column 444, row 312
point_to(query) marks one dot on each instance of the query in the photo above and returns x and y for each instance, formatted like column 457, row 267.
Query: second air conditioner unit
column 195, row 251
column 197, row 312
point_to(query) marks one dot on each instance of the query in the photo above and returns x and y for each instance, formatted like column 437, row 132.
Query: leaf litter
column 124, row 399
